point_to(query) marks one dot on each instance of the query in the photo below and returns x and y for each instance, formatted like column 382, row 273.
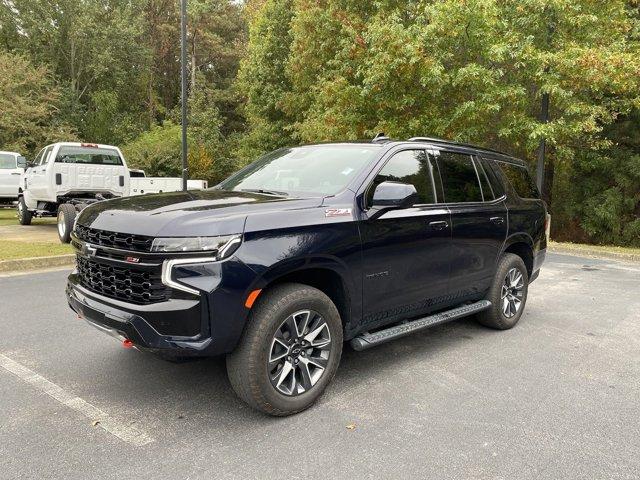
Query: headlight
column 224, row 246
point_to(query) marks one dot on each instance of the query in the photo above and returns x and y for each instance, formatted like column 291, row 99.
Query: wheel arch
column 327, row 275
column 521, row 245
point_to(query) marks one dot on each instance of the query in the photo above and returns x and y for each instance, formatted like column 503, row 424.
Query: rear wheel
column 508, row 294
column 66, row 217
column 289, row 351
column 24, row 215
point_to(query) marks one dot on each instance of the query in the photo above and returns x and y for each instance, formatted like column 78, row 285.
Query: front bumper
column 135, row 322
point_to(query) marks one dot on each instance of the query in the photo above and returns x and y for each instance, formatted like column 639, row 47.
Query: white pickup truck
column 10, row 175
column 67, row 176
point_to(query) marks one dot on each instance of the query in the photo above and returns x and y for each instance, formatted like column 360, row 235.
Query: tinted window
column 489, row 167
column 409, row 166
column 90, row 155
column 459, row 178
column 520, row 180
column 7, row 161
column 487, row 191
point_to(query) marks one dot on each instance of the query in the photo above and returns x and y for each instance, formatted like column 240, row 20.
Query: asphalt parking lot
column 556, row 397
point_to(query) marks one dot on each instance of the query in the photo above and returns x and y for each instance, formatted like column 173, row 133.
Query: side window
column 459, row 178
column 45, row 157
column 520, row 179
column 490, row 167
column 36, row 161
column 487, row 191
column 409, row 166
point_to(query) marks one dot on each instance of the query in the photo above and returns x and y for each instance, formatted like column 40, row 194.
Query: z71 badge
column 337, row 212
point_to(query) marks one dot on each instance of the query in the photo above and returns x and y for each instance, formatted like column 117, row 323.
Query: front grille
column 125, row 241
column 125, row 283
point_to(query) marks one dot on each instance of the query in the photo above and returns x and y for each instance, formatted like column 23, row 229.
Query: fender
column 310, row 263
column 520, row 237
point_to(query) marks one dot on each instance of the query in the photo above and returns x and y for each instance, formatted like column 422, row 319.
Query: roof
column 80, row 144
column 489, row 152
column 11, row 153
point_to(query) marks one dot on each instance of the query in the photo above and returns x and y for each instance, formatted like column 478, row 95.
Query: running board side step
column 368, row 340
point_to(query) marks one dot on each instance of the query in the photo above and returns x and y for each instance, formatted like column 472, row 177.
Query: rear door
column 479, row 224
column 406, row 252
column 9, row 175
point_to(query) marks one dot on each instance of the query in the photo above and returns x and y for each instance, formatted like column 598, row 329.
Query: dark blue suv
column 306, row 248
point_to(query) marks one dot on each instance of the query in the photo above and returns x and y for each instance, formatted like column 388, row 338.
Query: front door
column 479, row 225
column 406, row 253
column 37, row 178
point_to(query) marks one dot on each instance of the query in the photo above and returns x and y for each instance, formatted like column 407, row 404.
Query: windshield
column 7, row 161
column 92, row 155
column 315, row 169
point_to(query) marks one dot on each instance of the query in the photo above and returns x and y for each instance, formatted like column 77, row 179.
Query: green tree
column 469, row 71
column 263, row 80
column 29, row 102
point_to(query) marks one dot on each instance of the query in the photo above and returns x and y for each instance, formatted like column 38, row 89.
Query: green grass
column 11, row 249
column 8, row 217
column 584, row 248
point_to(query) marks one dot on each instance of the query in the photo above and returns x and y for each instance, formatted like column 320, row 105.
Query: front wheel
column 508, row 294
column 289, row 351
column 66, row 217
column 24, row 215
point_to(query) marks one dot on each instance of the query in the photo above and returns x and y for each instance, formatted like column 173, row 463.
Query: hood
column 193, row 213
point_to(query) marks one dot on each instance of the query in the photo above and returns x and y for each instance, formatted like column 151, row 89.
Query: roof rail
column 450, row 142
column 380, row 138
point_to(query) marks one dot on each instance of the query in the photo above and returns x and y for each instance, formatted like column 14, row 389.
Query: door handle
column 497, row 220
column 15, row 173
column 441, row 225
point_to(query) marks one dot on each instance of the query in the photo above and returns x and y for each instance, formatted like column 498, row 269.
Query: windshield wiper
column 265, row 192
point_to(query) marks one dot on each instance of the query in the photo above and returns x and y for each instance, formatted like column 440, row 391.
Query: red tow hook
column 126, row 343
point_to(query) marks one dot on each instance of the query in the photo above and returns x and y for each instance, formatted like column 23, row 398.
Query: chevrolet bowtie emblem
column 88, row 250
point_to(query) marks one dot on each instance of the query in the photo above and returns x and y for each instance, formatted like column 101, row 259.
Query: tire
column 255, row 379
column 66, row 217
column 501, row 316
column 24, row 215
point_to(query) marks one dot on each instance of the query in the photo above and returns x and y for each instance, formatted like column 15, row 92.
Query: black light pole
column 183, row 74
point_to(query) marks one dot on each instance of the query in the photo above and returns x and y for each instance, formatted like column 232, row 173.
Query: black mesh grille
column 125, row 283
column 125, row 241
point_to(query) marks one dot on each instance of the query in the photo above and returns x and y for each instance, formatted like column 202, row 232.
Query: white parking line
column 125, row 432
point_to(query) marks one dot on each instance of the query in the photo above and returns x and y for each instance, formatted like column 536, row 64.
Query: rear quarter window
column 520, row 180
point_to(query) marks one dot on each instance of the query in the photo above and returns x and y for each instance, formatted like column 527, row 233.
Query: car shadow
column 199, row 389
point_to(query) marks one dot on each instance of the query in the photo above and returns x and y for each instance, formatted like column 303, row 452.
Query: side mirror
column 22, row 162
column 394, row 195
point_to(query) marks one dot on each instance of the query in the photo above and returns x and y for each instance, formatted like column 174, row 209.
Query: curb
column 593, row 253
column 36, row 263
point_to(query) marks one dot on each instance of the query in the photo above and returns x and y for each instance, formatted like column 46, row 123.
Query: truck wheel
column 289, row 351
column 66, row 217
column 24, row 215
column 508, row 294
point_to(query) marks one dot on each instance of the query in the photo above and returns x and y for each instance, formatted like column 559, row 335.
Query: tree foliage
column 29, row 105
column 470, row 71
column 269, row 73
